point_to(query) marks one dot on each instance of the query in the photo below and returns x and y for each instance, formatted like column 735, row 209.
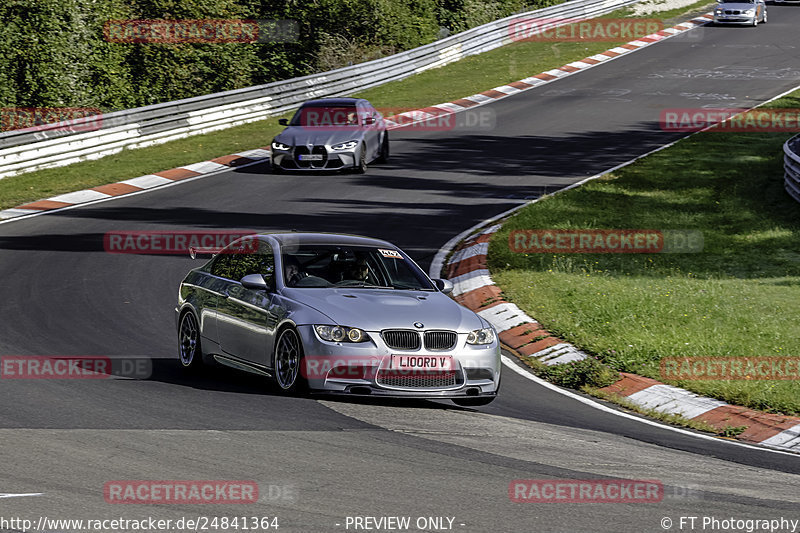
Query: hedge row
column 54, row 52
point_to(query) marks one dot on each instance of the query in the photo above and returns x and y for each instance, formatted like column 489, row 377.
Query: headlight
column 481, row 336
column 718, row 12
column 349, row 145
column 280, row 146
column 340, row 334
column 750, row 12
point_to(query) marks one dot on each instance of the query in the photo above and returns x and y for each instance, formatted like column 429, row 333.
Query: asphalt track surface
column 320, row 460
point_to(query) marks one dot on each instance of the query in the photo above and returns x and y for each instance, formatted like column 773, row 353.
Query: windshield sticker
column 392, row 254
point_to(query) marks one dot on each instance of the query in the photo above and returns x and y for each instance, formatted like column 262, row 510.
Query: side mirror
column 444, row 285
column 369, row 120
column 254, row 282
column 283, row 121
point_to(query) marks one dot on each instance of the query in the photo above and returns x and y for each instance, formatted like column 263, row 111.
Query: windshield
column 320, row 116
column 324, row 266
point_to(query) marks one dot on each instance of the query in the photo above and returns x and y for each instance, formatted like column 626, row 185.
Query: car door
column 209, row 294
column 371, row 130
column 245, row 318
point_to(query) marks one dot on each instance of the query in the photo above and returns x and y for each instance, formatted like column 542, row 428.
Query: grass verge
column 474, row 74
column 739, row 297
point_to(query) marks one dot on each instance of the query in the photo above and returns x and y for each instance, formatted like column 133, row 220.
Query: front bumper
column 744, row 20
column 326, row 158
column 364, row 369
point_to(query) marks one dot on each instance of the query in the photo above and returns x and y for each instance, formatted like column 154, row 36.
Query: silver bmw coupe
column 331, row 134
column 338, row 314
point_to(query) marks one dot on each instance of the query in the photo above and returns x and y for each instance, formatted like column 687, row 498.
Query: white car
column 743, row 12
column 331, row 134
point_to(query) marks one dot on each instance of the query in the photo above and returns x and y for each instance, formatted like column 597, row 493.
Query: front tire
column 190, row 352
column 287, row 361
column 383, row 157
column 361, row 166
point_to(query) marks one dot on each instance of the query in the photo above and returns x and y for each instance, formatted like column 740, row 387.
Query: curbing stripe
column 17, row 212
column 147, row 182
column 479, row 249
column 669, row 399
column 116, row 189
column 789, row 439
column 44, row 205
column 79, row 197
column 205, row 167
column 471, row 281
column 505, row 316
column 176, row 174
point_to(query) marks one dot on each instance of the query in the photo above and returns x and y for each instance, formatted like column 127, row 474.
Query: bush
column 576, row 374
column 54, row 53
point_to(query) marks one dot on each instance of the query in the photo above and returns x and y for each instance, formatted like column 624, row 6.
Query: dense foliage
column 55, row 52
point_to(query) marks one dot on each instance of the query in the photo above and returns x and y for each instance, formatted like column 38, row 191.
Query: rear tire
column 190, row 352
column 287, row 363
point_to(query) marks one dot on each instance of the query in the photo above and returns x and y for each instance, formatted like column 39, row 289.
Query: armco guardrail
column 57, row 145
column 791, row 164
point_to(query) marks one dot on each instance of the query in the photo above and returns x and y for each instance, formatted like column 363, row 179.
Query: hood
column 736, row 6
column 378, row 309
column 303, row 135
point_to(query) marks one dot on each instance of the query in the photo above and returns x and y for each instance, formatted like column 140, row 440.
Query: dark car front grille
column 401, row 339
column 440, row 340
column 417, row 379
column 303, row 150
column 732, row 12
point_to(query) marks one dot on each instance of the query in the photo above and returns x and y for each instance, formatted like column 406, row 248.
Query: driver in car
column 358, row 271
column 292, row 271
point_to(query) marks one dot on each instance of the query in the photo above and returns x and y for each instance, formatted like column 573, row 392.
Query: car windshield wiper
column 408, row 288
column 357, row 285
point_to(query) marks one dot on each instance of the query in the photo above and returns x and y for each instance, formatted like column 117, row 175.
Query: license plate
column 310, row 157
column 422, row 362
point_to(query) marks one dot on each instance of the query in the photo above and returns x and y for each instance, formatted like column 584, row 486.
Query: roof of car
column 333, row 101
column 327, row 238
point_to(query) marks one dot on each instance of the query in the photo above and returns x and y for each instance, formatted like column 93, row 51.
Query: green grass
column 739, row 297
column 474, row 74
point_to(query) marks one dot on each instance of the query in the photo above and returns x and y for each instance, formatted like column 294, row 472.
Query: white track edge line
column 510, row 363
column 128, row 195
